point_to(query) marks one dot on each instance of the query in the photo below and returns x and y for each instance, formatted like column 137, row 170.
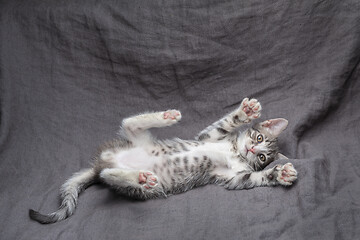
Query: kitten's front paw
column 148, row 179
column 251, row 108
column 286, row 174
column 172, row 115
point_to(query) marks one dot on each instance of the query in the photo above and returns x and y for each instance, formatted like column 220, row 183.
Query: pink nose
column 252, row 150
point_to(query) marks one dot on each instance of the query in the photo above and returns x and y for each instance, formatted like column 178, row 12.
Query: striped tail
column 70, row 191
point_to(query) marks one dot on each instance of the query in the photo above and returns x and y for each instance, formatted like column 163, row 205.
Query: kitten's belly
column 135, row 158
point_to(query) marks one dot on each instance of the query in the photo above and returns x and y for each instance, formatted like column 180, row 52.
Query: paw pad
column 172, row 114
column 148, row 179
column 251, row 108
column 287, row 174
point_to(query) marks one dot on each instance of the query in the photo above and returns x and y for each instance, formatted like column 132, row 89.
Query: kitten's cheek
column 243, row 152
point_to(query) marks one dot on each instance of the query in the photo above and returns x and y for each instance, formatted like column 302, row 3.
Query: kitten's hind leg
column 134, row 183
column 138, row 124
column 148, row 179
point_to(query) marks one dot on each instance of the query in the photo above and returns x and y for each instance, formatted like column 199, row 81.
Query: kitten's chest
column 221, row 154
column 217, row 150
column 211, row 157
column 135, row 158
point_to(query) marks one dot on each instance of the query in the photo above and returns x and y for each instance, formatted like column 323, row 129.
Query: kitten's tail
column 70, row 191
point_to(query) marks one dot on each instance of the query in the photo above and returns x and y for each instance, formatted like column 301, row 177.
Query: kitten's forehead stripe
column 256, row 130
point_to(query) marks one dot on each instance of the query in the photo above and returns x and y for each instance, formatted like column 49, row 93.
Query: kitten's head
column 258, row 145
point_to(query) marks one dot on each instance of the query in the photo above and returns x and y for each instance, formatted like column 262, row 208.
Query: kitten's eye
column 260, row 138
column 262, row 157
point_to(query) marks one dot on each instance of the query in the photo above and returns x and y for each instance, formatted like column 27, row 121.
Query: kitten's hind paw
column 148, row 179
column 172, row 115
column 251, row 108
column 286, row 174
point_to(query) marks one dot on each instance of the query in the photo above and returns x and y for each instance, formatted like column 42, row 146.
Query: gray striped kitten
column 142, row 167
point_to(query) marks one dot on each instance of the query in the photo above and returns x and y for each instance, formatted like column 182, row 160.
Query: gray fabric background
column 71, row 70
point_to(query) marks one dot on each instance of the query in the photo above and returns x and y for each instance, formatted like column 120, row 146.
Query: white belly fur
column 135, row 158
column 138, row 158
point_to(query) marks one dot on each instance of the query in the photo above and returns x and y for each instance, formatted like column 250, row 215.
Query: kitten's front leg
column 247, row 111
column 279, row 175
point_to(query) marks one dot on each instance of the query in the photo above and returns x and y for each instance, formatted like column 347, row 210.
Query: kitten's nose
column 252, row 150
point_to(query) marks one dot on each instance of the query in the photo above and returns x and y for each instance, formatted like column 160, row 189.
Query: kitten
column 142, row 167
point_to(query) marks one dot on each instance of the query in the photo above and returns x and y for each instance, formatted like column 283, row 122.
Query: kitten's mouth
column 244, row 153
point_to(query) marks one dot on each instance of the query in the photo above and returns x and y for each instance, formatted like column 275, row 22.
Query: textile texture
column 70, row 71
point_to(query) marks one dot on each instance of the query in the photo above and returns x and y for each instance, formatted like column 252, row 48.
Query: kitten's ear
column 281, row 156
column 274, row 126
